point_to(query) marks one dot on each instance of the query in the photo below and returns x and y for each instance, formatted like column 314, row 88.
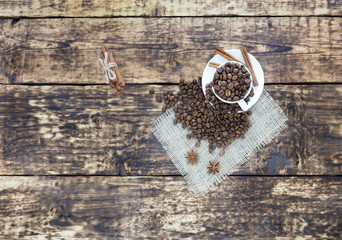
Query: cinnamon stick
column 214, row 64
column 118, row 84
column 249, row 65
column 226, row 55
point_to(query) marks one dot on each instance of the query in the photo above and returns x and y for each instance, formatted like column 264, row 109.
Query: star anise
column 192, row 157
column 214, row 167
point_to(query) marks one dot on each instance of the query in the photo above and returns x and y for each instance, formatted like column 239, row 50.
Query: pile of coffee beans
column 206, row 118
column 232, row 81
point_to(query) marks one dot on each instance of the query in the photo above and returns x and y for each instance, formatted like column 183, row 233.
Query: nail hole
column 15, row 21
column 156, row 12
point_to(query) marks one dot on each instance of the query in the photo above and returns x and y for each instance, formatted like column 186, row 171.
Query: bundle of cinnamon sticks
column 117, row 84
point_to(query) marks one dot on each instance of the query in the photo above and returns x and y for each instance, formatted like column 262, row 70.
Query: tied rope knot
column 110, row 74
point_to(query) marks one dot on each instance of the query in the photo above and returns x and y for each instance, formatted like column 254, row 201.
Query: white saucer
column 208, row 73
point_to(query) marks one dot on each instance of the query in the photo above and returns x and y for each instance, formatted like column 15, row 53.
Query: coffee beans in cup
column 232, row 81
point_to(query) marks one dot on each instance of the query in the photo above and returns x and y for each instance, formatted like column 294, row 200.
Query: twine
column 106, row 68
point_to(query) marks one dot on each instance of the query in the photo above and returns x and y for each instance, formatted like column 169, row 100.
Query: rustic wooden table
column 78, row 161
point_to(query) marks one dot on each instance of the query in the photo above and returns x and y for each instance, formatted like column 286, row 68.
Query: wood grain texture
column 150, row 50
column 89, row 130
column 155, row 8
column 165, row 208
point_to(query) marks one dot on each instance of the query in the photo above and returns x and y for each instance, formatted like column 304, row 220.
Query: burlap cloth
column 267, row 120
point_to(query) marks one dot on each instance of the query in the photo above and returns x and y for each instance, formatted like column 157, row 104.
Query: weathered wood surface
column 81, row 8
column 89, row 130
column 165, row 208
column 150, row 50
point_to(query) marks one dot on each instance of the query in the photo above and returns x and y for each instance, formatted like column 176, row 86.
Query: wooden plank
column 89, row 130
column 291, row 50
column 78, row 8
column 165, row 208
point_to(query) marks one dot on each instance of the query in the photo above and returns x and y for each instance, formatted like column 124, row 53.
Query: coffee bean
column 222, row 152
column 236, row 98
column 159, row 99
column 235, row 70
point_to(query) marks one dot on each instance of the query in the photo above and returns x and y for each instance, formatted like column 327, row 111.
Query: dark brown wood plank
column 165, row 208
column 89, row 130
column 78, row 8
column 150, row 50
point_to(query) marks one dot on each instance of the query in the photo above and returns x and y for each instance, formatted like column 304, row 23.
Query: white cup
column 242, row 103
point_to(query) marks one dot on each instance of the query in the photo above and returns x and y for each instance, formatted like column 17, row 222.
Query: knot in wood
column 97, row 119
